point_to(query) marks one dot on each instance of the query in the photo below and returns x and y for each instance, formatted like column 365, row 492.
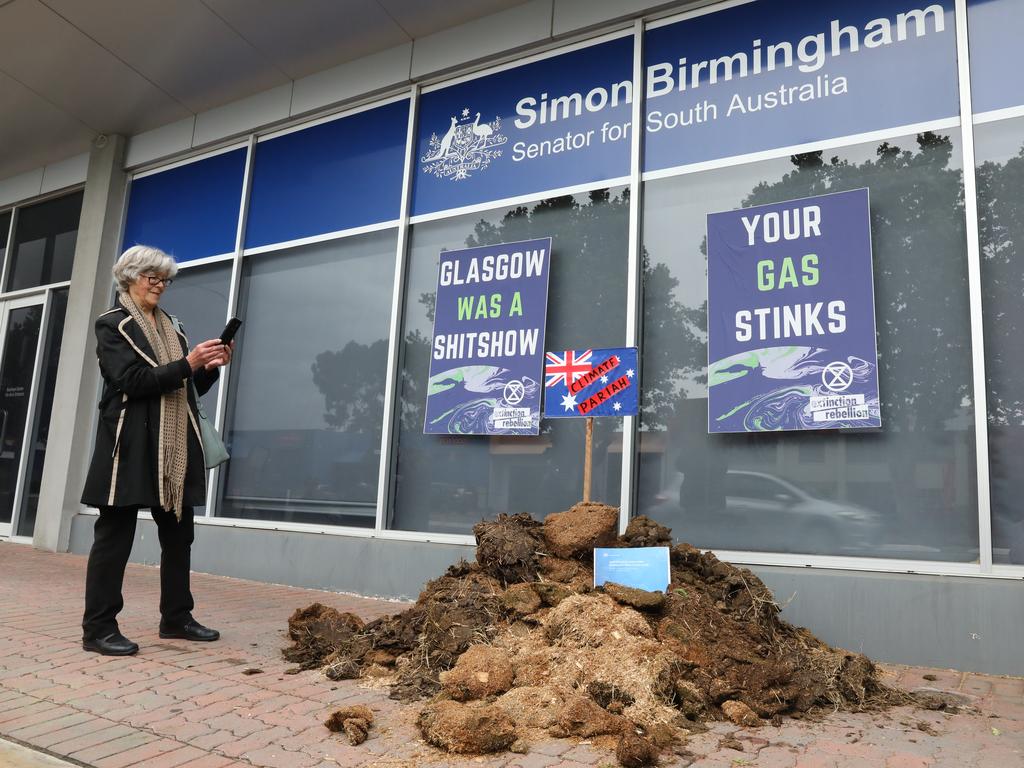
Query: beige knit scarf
column 172, row 458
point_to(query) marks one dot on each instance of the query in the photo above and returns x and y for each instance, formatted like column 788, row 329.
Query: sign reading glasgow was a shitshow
column 487, row 353
column 769, row 74
column 791, row 319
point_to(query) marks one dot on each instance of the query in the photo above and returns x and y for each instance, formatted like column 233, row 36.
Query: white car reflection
column 757, row 511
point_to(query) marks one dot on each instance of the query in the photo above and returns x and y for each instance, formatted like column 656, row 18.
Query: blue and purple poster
column 591, row 382
column 487, row 352
column 791, row 316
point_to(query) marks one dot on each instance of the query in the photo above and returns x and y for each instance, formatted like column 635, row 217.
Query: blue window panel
column 333, row 176
column 839, row 68
column 554, row 123
column 190, row 211
column 996, row 28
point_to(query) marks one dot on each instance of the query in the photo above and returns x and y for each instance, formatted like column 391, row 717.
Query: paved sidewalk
column 186, row 705
column 16, row 756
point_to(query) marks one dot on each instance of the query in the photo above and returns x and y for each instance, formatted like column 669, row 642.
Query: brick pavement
column 182, row 705
column 16, row 756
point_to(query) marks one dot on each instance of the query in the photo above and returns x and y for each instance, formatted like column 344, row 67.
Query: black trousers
column 111, row 546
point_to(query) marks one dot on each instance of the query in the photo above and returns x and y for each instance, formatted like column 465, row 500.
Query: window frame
column 6, row 295
column 983, row 568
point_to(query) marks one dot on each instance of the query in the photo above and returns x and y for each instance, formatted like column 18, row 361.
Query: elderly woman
column 148, row 450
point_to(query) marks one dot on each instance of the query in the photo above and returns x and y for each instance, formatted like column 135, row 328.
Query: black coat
column 124, row 469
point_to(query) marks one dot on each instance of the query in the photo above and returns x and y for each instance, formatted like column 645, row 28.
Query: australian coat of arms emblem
column 466, row 146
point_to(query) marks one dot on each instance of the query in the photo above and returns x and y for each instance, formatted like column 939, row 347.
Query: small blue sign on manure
column 644, row 568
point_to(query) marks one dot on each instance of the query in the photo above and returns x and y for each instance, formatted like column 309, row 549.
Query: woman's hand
column 223, row 358
column 204, row 355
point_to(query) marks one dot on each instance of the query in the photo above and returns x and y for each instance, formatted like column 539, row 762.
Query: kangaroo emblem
column 466, row 147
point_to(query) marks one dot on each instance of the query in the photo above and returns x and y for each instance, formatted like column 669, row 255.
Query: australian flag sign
column 591, row 382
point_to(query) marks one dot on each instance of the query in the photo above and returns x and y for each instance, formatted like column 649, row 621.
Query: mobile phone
column 229, row 330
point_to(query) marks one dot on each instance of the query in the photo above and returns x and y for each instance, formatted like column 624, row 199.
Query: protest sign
column 791, row 322
column 591, row 382
column 486, row 356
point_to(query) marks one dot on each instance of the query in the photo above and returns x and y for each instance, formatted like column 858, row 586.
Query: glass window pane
column 448, row 483
column 557, row 121
column 199, row 299
column 1000, row 156
column 995, row 27
column 5, row 226
column 44, row 242
column 737, row 81
column 20, row 343
column 190, row 211
column 906, row 490
column 44, row 408
column 305, row 406
column 301, row 180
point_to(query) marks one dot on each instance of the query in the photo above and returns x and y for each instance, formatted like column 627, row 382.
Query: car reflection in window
column 757, row 511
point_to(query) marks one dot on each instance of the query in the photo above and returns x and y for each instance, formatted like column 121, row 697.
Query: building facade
column 318, row 218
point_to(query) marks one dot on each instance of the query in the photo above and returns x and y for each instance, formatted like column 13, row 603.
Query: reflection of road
column 758, row 511
column 302, row 475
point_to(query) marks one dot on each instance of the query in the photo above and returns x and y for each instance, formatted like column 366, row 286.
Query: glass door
column 39, row 426
column 28, row 329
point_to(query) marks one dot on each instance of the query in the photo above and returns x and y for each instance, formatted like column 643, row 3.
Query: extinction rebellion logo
column 466, row 146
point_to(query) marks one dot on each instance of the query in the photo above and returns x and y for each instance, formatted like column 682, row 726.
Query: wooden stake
column 588, row 458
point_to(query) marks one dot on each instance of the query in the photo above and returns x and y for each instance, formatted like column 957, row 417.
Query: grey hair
column 140, row 259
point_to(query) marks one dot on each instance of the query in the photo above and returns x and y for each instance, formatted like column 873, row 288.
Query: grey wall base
column 969, row 624
column 364, row 566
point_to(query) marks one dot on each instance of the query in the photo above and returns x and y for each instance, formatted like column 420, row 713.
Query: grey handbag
column 214, row 451
column 213, row 447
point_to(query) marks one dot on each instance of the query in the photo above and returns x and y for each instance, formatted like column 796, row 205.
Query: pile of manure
column 519, row 646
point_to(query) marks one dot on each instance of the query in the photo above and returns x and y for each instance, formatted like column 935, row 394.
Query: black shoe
column 191, row 630
column 114, row 644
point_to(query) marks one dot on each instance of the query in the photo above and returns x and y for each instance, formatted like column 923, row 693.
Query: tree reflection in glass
column 1000, row 175
column 447, row 483
column 906, row 490
column 305, row 403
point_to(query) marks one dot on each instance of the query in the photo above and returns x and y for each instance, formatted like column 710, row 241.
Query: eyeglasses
column 154, row 280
